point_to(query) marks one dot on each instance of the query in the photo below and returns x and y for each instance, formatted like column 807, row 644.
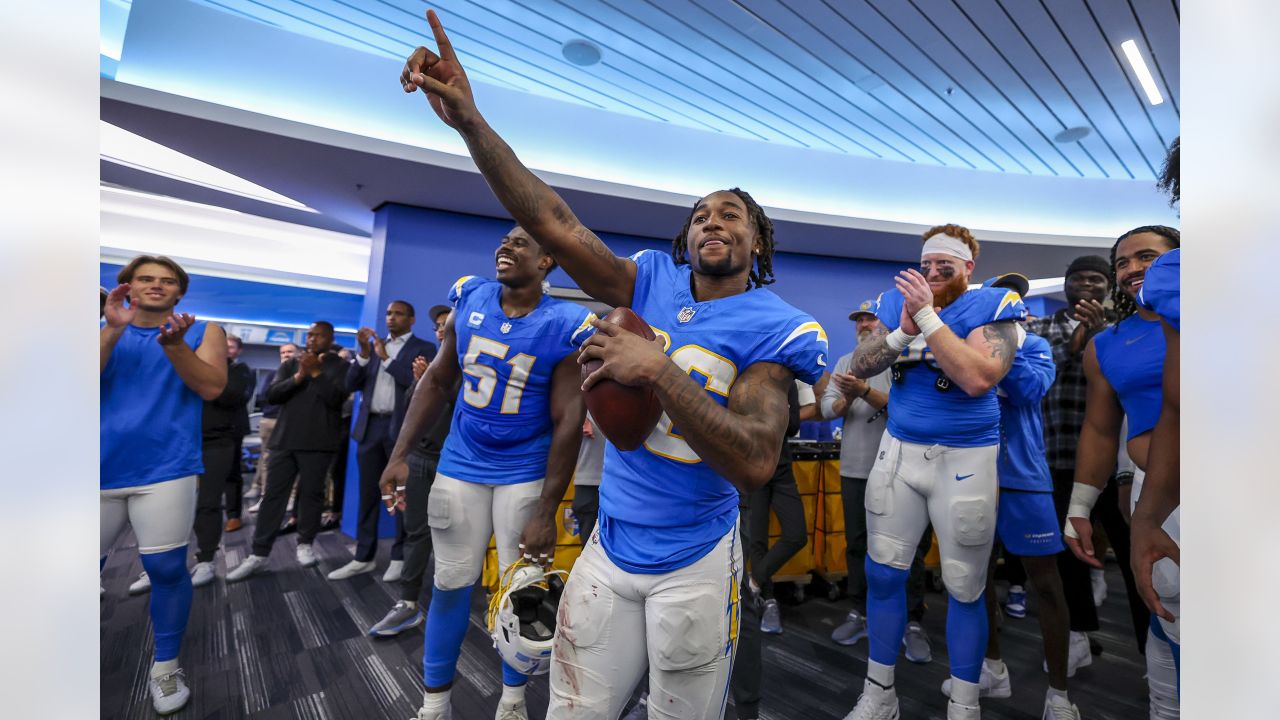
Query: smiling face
column 948, row 276
column 519, row 260
column 154, row 288
column 1134, row 255
column 1086, row 285
column 721, row 237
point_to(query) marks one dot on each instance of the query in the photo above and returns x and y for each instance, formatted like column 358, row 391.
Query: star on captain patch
column 685, row 314
column 505, row 328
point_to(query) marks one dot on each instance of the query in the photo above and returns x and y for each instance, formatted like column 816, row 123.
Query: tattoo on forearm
column 1003, row 338
column 873, row 357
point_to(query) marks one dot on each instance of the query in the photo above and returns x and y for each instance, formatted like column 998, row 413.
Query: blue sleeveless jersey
column 661, row 507
column 1161, row 291
column 1021, row 464
column 150, row 419
column 918, row 411
column 1131, row 355
column 501, row 429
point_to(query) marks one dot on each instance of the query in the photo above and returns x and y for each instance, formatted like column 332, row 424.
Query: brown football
column 626, row 415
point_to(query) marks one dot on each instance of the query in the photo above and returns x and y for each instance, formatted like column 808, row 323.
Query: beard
column 954, row 288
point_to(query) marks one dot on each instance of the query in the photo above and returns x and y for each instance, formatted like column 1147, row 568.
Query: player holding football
column 657, row 584
column 948, row 348
column 510, row 452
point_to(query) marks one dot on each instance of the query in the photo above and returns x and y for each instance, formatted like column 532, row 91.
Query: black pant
column 220, row 461
column 338, row 474
column 309, row 467
column 1076, row 585
column 234, row 487
column 371, row 456
column 586, row 508
column 748, row 665
column 780, row 494
column 853, row 493
column 417, row 530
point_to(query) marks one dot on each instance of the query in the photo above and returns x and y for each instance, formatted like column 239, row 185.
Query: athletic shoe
column 989, row 683
column 169, row 692
column 1078, row 654
column 233, row 524
column 202, row 574
column 956, row 711
column 1059, row 708
column 915, row 644
column 771, row 618
column 853, row 629
column 1098, row 580
column 445, row 713
column 256, row 506
column 875, row 703
column 252, row 493
column 639, row 711
column 401, row 617
column 141, row 585
column 249, row 566
column 306, row 556
column 1016, row 605
column 350, row 570
column 513, row 711
column 394, row 568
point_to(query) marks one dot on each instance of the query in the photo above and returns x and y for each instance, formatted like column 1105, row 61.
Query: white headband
column 947, row 245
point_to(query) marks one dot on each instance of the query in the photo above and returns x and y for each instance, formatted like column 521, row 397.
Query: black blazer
column 400, row 368
column 310, row 411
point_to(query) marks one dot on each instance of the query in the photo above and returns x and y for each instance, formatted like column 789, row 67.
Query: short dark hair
column 235, row 339
column 127, row 272
column 405, row 303
column 438, row 310
column 324, row 324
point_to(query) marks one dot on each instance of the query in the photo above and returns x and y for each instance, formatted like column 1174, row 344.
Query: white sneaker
column 306, row 556
column 956, row 711
column 1098, row 581
column 351, row 569
column 514, row 711
column 169, row 692
column 444, row 713
column 256, row 506
column 202, row 574
column 394, row 569
column 1059, row 708
column 1078, row 654
column 141, row 585
column 875, row 703
column 989, row 683
column 250, row 565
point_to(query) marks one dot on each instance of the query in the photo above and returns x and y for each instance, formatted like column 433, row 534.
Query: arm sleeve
column 283, row 387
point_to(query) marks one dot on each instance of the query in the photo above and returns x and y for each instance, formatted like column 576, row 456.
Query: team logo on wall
column 685, row 314
column 505, row 328
column 475, row 319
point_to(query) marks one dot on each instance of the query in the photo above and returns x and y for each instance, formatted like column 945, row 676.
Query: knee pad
column 965, row 581
column 890, row 551
column 168, row 567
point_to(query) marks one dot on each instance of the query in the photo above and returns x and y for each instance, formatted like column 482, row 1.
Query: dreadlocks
column 1124, row 304
column 762, row 273
column 1169, row 181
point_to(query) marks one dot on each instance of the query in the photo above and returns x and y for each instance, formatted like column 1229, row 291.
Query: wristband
column 899, row 340
column 928, row 321
column 1083, row 498
column 1124, row 478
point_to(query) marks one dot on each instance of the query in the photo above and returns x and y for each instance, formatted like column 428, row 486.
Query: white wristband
column 899, row 340
column 1083, row 498
column 928, row 321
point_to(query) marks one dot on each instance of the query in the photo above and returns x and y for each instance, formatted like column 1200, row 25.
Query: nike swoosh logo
column 963, row 477
column 1134, row 340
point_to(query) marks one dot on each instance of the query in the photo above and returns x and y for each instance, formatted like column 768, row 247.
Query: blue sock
column 512, row 677
column 966, row 636
column 1158, row 630
column 170, row 599
column 886, row 611
column 447, row 620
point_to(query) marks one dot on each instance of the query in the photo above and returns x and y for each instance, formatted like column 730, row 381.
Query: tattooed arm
column 873, row 356
column 534, row 205
column 979, row 361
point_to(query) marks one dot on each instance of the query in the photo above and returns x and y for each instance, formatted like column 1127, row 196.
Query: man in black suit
column 310, row 390
column 383, row 373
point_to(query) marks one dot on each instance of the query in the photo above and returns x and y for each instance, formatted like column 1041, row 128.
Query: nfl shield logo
column 685, row 314
column 506, row 328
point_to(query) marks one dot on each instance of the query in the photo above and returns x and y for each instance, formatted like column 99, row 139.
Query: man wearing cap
column 863, row 404
column 1068, row 331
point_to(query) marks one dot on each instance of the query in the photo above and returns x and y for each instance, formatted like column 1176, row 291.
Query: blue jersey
column 150, row 419
column 1131, row 356
column 919, row 410
column 661, row 507
column 1022, row 464
column 1161, row 291
column 502, row 419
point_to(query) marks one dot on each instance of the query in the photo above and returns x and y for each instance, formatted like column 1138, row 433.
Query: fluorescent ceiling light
column 1140, row 69
column 125, row 148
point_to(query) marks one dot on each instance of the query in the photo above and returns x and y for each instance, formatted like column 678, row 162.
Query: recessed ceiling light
column 1140, row 69
column 1072, row 134
column 581, row 52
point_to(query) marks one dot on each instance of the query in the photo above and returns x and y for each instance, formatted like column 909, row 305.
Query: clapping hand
column 173, row 331
column 118, row 314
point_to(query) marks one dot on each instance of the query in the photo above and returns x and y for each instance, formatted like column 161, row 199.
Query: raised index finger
column 442, row 40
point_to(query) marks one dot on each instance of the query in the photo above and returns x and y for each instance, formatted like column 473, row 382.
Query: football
column 626, row 415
